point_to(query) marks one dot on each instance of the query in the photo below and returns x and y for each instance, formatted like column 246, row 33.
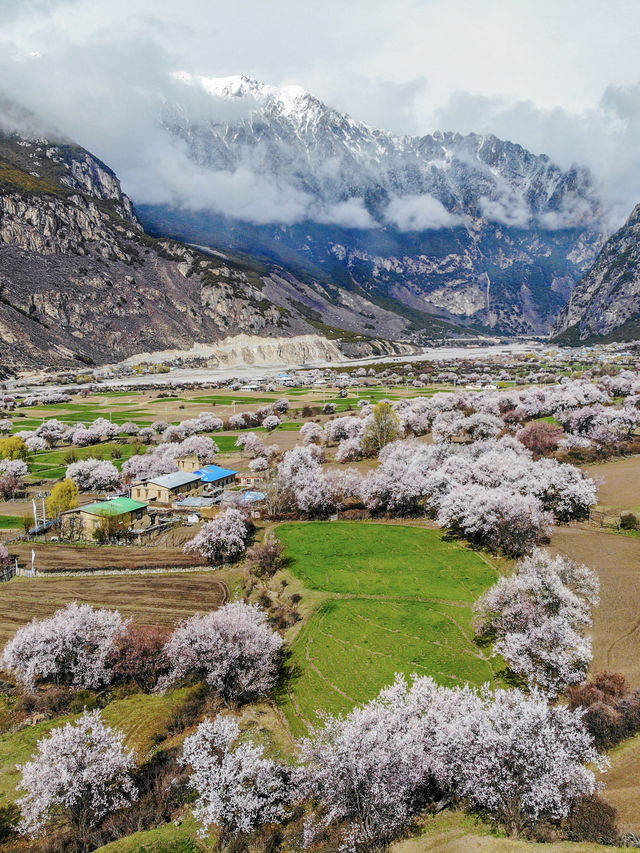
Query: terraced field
column 385, row 599
column 140, row 717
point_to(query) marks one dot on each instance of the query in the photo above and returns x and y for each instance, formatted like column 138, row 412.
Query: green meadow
column 386, row 599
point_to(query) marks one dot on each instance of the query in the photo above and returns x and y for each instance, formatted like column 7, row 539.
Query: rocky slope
column 606, row 303
column 82, row 283
column 470, row 228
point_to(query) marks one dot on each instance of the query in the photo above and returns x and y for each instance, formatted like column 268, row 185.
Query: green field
column 50, row 464
column 140, row 717
column 387, row 599
column 10, row 522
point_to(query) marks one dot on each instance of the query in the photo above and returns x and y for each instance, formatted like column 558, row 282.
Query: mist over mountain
column 471, row 228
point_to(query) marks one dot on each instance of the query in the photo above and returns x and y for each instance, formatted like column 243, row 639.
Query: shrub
column 9, row 816
column 137, row 655
column 591, row 819
column 629, row 521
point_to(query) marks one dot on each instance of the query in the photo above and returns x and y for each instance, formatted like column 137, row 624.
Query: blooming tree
column 494, row 518
column 223, row 540
column 311, row 433
column 238, row 789
column 70, row 647
column 271, row 422
column 233, row 649
column 202, row 446
column 540, row 437
column 516, row 757
column 81, row 768
column 93, row 475
column 51, row 431
column 365, row 770
column 537, row 617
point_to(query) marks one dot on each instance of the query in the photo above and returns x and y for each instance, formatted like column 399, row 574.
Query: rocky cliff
column 605, row 305
column 82, row 283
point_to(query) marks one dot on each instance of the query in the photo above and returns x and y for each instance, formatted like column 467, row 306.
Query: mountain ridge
column 416, row 221
column 605, row 305
column 82, row 283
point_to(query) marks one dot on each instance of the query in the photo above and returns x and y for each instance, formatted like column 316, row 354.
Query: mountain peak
column 288, row 97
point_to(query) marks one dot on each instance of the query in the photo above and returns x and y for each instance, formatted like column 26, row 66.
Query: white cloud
column 348, row 214
column 419, row 213
column 509, row 209
column 524, row 71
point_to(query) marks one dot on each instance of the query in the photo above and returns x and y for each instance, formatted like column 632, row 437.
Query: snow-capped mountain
column 472, row 228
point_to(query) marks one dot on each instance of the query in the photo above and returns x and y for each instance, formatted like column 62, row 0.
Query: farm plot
column 51, row 464
column 148, row 599
column 618, row 489
column 388, row 598
column 616, row 622
column 60, row 558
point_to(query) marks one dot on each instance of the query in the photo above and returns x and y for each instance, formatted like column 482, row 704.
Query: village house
column 189, row 463
column 168, row 487
column 249, row 479
column 81, row 523
column 215, row 478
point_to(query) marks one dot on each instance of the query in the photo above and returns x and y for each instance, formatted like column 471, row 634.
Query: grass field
column 10, row 522
column 149, row 599
column 50, row 464
column 386, row 599
column 140, row 717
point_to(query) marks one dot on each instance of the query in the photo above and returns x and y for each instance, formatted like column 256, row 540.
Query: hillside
column 82, row 283
column 606, row 303
column 471, row 228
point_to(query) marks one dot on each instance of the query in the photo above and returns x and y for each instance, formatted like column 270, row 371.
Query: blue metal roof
column 213, row 473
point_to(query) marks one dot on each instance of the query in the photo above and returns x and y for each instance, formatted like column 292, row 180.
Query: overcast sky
column 559, row 76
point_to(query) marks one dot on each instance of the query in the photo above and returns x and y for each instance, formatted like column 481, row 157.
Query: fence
column 15, row 570
column 597, row 518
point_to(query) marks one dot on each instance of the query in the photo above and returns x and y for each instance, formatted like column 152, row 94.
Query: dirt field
column 149, row 599
column 59, row 558
column 616, row 641
column 619, row 484
column 616, row 626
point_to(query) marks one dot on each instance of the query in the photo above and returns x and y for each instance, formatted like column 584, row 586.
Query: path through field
column 59, row 558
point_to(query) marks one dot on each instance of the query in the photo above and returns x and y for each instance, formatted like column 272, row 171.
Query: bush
column 265, row 558
column 85, row 700
column 629, row 521
column 612, row 711
column 9, row 816
column 137, row 655
column 591, row 819
column 188, row 712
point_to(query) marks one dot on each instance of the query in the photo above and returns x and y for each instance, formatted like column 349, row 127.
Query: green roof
column 117, row 506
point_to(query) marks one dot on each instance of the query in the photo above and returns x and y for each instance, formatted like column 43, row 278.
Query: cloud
column 347, row 214
column 508, row 209
column 602, row 138
column 101, row 72
column 419, row 213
